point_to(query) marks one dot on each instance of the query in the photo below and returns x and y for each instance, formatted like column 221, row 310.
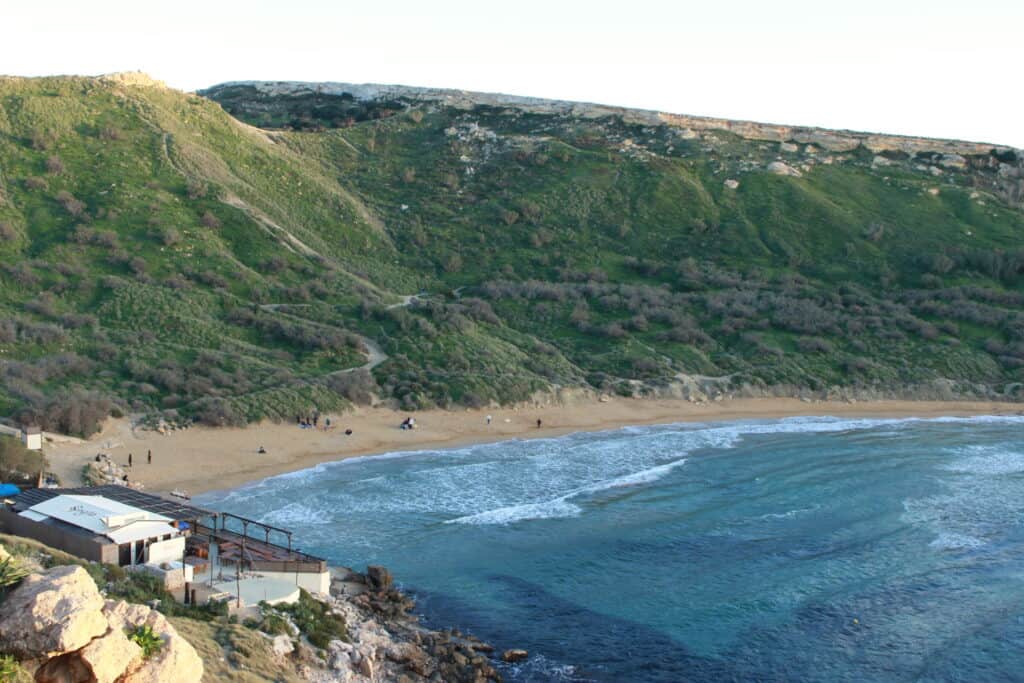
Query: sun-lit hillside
column 160, row 256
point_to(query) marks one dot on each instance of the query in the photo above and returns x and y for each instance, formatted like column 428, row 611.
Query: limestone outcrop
column 58, row 625
column 52, row 613
column 387, row 643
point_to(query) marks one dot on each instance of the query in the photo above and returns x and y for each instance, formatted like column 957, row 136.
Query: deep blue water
column 807, row 549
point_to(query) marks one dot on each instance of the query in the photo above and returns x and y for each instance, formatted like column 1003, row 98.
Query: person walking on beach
column 488, row 419
column 149, row 457
column 538, row 423
column 129, row 460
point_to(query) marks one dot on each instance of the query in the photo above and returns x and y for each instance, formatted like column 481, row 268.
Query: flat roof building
column 221, row 552
column 32, row 437
column 100, row 529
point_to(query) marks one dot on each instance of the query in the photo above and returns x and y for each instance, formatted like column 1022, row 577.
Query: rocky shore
column 59, row 626
column 387, row 642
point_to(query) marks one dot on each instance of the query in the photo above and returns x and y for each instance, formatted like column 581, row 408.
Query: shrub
column 358, row 386
column 315, row 620
column 218, row 412
column 35, row 183
column 110, row 133
column 7, row 232
column 814, row 345
column 196, row 189
column 144, row 636
column 18, row 464
column 70, row 204
column 12, row 672
column 54, row 165
column 210, row 221
column 70, row 411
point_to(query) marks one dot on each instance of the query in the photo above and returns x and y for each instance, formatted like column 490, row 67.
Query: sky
column 936, row 68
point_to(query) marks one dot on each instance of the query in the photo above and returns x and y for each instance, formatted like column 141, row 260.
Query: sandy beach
column 202, row 459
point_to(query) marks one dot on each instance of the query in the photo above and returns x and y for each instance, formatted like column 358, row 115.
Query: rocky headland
column 60, row 627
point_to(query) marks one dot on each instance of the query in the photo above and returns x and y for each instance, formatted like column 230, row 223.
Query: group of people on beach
column 312, row 422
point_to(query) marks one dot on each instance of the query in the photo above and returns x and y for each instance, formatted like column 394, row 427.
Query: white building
column 109, row 531
column 32, row 437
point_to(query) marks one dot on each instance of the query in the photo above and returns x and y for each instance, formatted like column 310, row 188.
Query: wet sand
column 202, row 459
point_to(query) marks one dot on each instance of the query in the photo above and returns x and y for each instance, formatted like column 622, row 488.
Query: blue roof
column 9, row 490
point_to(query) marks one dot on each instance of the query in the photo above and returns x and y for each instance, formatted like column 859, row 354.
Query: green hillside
column 159, row 256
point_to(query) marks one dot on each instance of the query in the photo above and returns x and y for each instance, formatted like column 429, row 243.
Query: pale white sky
column 943, row 68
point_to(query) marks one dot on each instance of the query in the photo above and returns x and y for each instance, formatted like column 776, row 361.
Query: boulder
column 51, row 614
column 110, row 656
column 732, row 184
column 780, row 168
column 512, row 656
column 176, row 660
column 379, row 578
column 283, row 645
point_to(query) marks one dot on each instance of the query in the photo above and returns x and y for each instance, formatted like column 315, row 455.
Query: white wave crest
column 951, row 541
column 549, row 509
column 988, row 460
column 560, row 506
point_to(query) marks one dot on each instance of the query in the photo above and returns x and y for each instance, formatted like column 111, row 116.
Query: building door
column 140, row 552
column 124, row 554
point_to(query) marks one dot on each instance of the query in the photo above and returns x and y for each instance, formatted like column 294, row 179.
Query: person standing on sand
column 488, row 419
column 149, row 457
column 129, row 460
column 538, row 423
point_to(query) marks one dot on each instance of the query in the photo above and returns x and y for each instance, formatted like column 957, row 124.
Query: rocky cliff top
column 832, row 140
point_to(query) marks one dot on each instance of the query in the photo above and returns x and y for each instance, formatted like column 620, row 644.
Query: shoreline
column 207, row 459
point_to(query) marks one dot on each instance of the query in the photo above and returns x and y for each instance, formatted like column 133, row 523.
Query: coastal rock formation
column 175, row 660
column 388, row 643
column 110, row 656
column 57, row 623
column 52, row 613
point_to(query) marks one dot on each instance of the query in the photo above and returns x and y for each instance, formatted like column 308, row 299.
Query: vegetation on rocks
column 159, row 256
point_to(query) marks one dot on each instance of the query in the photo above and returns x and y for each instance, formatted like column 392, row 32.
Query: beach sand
column 202, row 459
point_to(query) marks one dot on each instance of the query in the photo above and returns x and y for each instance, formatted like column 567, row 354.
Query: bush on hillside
column 357, row 386
column 73, row 411
column 18, row 464
column 7, row 232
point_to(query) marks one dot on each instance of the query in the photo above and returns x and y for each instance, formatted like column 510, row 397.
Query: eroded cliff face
column 994, row 168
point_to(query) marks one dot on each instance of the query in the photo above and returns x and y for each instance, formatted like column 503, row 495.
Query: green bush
column 11, row 574
column 314, row 620
column 144, row 637
column 11, row 671
column 18, row 464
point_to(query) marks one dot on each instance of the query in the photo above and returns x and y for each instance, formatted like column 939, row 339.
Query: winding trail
column 375, row 355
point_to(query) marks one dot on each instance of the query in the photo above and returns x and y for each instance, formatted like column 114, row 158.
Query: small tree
column 210, row 221
column 17, row 463
column 54, row 165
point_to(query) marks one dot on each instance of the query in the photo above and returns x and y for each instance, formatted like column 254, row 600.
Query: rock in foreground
column 58, row 624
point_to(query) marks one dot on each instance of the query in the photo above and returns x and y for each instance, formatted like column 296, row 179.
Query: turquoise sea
column 805, row 549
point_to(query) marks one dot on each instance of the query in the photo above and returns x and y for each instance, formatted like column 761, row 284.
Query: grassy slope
column 598, row 261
